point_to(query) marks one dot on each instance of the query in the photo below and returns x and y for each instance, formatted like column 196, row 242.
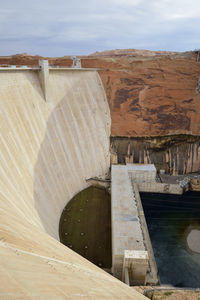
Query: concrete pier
column 126, row 229
column 44, row 77
column 132, row 253
column 145, row 177
column 134, row 267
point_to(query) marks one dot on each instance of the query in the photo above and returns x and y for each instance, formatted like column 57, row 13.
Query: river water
column 171, row 219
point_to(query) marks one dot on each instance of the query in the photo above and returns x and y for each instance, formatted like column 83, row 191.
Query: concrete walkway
column 129, row 230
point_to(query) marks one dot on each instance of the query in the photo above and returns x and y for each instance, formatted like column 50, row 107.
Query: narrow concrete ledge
column 163, row 188
column 22, row 68
column 132, row 253
column 126, row 228
column 73, row 69
column 25, row 68
column 145, row 177
column 44, row 71
column 152, row 276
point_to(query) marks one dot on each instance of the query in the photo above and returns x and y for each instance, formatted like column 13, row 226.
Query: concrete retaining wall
column 156, row 187
column 126, row 228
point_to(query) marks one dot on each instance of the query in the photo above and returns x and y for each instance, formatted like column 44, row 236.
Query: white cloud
column 125, row 2
column 176, row 9
column 52, row 26
column 75, row 34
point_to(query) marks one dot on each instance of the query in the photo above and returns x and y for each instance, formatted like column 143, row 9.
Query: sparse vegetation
column 175, row 295
column 168, row 293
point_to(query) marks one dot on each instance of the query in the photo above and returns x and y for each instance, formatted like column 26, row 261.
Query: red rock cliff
column 151, row 94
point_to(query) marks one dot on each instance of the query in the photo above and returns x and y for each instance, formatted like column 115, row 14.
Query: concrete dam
column 54, row 135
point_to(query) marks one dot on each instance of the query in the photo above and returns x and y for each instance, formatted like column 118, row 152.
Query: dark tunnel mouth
column 170, row 219
column 85, row 225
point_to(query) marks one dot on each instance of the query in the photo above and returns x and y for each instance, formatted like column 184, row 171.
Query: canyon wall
column 176, row 154
column 48, row 150
column 155, row 107
column 151, row 95
column 154, row 98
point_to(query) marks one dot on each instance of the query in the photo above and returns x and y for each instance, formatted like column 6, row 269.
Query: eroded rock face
column 153, row 95
column 150, row 94
column 176, row 154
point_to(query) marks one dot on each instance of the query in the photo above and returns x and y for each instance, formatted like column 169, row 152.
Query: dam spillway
column 48, row 149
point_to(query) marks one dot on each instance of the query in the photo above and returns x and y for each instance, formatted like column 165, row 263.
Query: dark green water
column 169, row 219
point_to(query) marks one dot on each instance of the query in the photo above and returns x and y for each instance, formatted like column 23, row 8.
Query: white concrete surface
column 129, row 229
column 48, row 149
column 141, row 168
column 152, row 276
column 157, row 187
column 145, row 177
column 44, row 78
column 126, row 229
column 136, row 263
column 142, row 172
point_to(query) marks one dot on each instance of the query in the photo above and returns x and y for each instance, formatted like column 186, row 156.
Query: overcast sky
column 66, row 27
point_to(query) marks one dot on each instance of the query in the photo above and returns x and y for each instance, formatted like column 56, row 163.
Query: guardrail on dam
column 48, row 149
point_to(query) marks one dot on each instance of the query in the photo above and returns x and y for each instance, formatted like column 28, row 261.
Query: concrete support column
column 44, row 78
column 136, row 264
column 126, row 276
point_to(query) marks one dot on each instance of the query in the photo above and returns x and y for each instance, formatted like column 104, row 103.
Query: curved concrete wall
column 47, row 152
column 49, row 149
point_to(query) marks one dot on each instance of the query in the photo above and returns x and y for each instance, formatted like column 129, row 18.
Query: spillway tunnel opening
column 174, row 226
column 85, row 226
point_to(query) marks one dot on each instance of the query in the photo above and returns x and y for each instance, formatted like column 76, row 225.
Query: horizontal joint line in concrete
column 56, row 69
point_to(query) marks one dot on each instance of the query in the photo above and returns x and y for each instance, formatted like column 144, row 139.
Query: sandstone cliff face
column 176, row 154
column 155, row 107
column 150, row 94
column 132, row 52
